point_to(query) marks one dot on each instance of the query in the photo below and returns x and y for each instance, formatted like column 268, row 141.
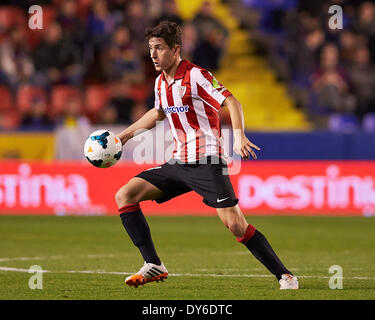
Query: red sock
column 129, row 208
column 248, row 234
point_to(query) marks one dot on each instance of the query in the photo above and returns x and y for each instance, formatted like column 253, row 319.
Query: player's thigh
column 212, row 182
column 136, row 190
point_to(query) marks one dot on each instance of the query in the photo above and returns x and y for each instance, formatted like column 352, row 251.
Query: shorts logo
column 175, row 109
column 154, row 168
column 220, row 200
column 181, row 91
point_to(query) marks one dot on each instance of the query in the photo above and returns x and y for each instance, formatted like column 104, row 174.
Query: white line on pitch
column 179, row 274
column 85, row 256
column 57, row 257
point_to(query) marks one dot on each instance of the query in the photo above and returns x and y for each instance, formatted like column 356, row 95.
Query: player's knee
column 119, row 197
column 233, row 220
column 236, row 228
column 236, row 225
column 125, row 196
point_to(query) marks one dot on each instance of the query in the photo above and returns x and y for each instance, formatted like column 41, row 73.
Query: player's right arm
column 146, row 122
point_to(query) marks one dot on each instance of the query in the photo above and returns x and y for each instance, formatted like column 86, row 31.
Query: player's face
column 161, row 54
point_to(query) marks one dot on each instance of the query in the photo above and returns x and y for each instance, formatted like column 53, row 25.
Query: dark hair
column 167, row 30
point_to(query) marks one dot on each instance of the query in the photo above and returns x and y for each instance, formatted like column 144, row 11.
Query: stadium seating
column 60, row 94
column 9, row 116
column 11, row 16
column 344, row 123
column 9, row 119
column 368, row 122
column 265, row 100
column 6, row 99
column 139, row 93
column 96, row 97
column 25, row 96
column 266, row 103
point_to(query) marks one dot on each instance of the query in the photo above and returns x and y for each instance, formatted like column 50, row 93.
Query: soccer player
column 190, row 97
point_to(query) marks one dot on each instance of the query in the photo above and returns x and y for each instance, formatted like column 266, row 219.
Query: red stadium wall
column 263, row 187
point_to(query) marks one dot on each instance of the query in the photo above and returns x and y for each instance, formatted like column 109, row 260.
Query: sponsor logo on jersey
column 175, row 109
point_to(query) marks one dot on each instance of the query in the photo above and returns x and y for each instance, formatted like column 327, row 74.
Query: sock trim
column 129, row 208
column 249, row 233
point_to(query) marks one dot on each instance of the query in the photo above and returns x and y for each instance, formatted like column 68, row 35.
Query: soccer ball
column 103, row 148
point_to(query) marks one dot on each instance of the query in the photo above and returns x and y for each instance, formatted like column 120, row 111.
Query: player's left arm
column 242, row 145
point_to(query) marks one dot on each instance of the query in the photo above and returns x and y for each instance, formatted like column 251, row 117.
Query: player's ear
column 177, row 49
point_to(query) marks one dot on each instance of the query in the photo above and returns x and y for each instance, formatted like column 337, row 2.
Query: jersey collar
column 181, row 69
column 180, row 72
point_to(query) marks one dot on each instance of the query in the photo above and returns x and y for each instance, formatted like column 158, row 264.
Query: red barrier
column 263, row 187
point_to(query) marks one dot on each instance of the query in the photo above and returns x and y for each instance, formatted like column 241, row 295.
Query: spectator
column 169, row 13
column 73, row 116
column 122, row 55
column 347, row 44
column 74, row 127
column 122, row 102
column 362, row 76
column 155, row 9
column 205, row 22
column 100, row 24
column 208, row 51
column 302, row 61
column 37, row 119
column 366, row 18
column 189, row 41
column 211, row 38
column 330, row 84
column 366, row 24
column 117, row 7
column 137, row 21
column 15, row 61
column 306, row 56
column 72, row 26
column 57, row 60
column 108, row 115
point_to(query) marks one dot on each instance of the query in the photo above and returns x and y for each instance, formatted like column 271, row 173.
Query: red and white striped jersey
column 191, row 103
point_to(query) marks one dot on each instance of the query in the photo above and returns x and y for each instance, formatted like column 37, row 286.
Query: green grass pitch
column 89, row 257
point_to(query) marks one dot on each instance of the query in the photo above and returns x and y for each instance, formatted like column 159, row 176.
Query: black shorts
column 208, row 180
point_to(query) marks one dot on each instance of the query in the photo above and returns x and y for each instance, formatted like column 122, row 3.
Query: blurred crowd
column 90, row 62
column 330, row 72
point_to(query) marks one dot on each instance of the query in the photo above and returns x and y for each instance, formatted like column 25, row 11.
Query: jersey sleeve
column 210, row 90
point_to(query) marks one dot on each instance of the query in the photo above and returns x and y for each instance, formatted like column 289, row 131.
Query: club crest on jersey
column 181, row 91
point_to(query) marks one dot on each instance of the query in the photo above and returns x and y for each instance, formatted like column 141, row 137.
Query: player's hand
column 123, row 137
column 244, row 147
